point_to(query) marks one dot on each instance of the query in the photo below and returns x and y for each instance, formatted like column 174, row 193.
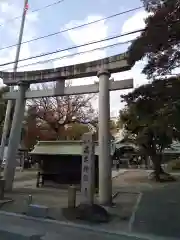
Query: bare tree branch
column 56, row 112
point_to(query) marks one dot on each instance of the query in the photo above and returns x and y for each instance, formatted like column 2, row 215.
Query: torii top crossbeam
column 117, row 63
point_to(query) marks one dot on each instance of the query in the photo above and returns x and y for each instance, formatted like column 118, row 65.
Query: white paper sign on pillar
column 88, row 167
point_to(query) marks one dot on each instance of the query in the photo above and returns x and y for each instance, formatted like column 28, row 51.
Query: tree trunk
column 158, row 170
column 159, row 174
column 145, row 160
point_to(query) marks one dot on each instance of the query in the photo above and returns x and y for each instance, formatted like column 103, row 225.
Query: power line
column 47, row 6
column 72, row 28
column 35, row 10
column 71, row 55
column 73, row 47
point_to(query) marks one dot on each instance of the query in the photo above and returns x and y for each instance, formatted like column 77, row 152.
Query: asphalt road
column 159, row 212
column 12, row 227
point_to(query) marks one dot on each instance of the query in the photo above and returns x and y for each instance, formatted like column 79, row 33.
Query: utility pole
column 10, row 102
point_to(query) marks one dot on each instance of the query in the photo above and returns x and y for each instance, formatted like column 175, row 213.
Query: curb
column 132, row 218
column 114, row 195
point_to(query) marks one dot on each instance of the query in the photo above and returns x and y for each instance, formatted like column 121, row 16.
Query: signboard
column 88, row 167
column 117, row 63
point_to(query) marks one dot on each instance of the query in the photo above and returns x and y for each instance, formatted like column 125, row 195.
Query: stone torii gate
column 100, row 68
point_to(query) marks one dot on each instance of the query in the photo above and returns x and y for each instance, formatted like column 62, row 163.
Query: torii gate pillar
column 15, row 135
column 105, row 178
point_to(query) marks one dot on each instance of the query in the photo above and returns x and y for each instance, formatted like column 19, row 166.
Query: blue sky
column 68, row 14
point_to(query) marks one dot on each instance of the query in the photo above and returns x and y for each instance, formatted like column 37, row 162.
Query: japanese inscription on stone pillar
column 88, row 167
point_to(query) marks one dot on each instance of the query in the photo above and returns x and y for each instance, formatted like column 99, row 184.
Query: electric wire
column 35, row 10
column 70, row 29
column 73, row 47
column 71, row 55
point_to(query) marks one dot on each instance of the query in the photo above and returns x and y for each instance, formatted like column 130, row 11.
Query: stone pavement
column 23, row 228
